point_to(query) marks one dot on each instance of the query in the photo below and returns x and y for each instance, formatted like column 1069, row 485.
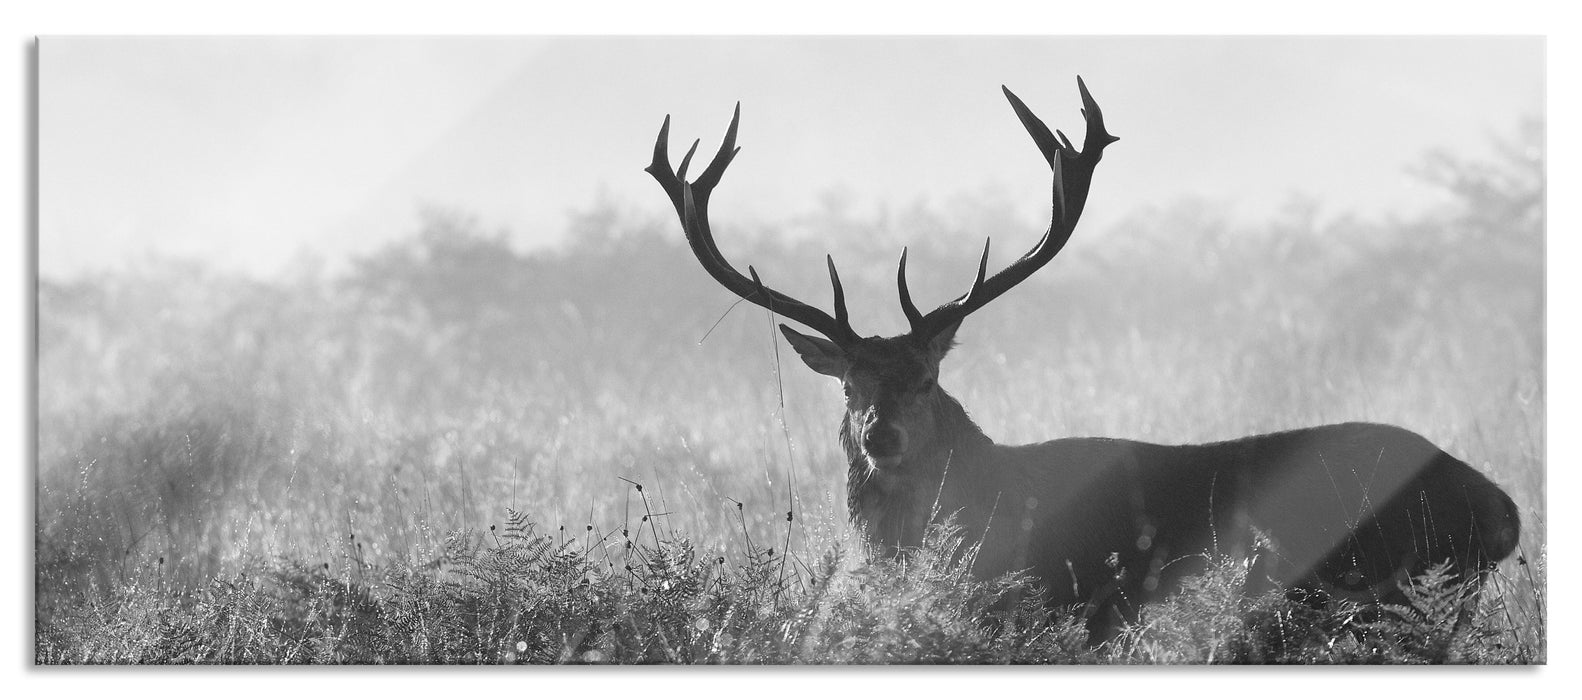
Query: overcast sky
column 243, row 151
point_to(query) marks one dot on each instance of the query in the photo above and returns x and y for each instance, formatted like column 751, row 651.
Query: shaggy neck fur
column 895, row 503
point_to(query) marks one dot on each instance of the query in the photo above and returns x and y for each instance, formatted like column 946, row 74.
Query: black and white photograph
column 834, row 350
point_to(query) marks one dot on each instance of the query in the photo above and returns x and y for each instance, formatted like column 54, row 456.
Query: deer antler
column 1073, row 174
column 691, row 200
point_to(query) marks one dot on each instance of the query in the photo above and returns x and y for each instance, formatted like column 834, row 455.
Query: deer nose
column 884, row 440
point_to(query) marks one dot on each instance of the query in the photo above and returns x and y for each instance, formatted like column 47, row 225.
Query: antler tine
column 913, row 316
column 840, row 297
column 686, row 160
column 1073, row 173
column 1035, row 127
column 711, row 175
column 983, row 266
column 691, row 202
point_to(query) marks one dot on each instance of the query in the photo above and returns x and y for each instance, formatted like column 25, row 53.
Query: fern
column 519, row 596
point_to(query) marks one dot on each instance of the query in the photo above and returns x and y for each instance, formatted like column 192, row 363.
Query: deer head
column 893, row 400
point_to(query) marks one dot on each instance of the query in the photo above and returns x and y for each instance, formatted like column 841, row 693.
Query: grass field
column 451, row 452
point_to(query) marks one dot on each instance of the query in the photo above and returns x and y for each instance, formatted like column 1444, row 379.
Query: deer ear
column 823, row 356
column 943, row 341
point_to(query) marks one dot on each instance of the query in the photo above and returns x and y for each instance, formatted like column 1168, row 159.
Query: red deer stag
column 1109, row 524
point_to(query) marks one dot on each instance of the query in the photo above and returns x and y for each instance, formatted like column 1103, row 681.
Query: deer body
column 1110, row 524
column 1351, row 509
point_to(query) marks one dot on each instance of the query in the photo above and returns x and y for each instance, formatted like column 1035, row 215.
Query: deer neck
column 894, row 503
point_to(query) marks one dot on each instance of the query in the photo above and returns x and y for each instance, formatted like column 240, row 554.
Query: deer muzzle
column 884, row 443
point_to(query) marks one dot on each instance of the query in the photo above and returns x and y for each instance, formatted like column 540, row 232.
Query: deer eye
column 926, row 385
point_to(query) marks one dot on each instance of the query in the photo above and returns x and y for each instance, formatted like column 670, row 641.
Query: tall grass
column 202, row 430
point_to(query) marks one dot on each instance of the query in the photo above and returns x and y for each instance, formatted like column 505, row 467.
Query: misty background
column 333, row 298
